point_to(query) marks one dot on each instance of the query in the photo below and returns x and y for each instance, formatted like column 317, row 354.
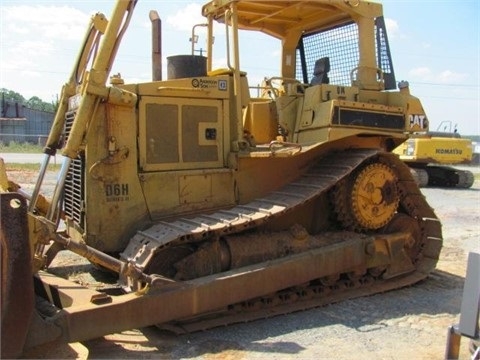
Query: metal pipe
column 90, row 253
column 227, row 38
column 193, row 36
column 156, row 45
column 38, row 184
column 210, row 40
column 107, row 261
column 58, row 188
column 237, row 87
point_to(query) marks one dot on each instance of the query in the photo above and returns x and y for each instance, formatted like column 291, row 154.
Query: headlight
column 410, row 150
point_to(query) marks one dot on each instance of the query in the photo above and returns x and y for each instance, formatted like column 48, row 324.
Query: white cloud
column 420, row 72
column 53, row 22
column 35, row 40
column 443, row 77
column 185, row 18
column 426, row 45
column 30, row 74
column 393, row 29
column 34, row 47
column 18, row 59
column 14, row 28
column 449, row 77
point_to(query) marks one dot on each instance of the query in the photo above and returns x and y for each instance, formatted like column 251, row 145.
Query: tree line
column 34, row 102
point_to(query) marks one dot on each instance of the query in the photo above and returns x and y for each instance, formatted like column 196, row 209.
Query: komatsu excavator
column 214, row 206
column 432, row 157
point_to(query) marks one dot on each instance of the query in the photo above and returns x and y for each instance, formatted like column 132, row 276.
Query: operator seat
column 320, row 71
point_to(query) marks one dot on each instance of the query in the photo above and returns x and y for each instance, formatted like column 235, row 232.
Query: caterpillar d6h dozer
column 214, row 206
column 431, row 155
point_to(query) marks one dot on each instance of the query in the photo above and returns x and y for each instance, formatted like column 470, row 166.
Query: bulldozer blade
column 17, row 296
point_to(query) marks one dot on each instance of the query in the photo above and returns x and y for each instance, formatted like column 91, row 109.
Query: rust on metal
column 17, row 297
column 376, row 263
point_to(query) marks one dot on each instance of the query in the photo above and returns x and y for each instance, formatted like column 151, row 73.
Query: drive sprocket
column 368, row 199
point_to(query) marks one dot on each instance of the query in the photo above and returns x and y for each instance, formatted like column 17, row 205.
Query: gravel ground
column 409, row 323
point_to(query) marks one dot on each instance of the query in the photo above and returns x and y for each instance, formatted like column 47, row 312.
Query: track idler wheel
column 465, row 179
column 404, row 223
column 368, row 199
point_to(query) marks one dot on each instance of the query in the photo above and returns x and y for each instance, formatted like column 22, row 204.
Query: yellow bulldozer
column 212, row 205
column 430, row 156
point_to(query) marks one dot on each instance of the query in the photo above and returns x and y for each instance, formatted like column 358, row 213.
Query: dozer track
column 322, row 177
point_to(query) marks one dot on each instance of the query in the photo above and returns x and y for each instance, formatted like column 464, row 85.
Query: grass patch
column 24, row 148
column 30, row 167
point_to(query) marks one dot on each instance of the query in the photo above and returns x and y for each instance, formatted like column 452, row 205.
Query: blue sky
column 435, row 46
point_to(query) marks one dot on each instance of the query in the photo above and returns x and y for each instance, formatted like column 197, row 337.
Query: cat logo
column 418, row 121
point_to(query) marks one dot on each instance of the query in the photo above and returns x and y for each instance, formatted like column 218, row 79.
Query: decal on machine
column 203, row 83
column 418, row 121
column 116, row 192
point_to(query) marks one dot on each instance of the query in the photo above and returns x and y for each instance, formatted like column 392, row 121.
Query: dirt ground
column 409, row 323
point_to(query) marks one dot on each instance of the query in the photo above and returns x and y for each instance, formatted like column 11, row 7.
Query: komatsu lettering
column 449, row 151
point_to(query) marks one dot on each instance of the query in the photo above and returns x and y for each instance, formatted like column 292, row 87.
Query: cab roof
column 279, row 18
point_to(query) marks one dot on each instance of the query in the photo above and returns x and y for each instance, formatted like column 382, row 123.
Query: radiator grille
column 73, row 201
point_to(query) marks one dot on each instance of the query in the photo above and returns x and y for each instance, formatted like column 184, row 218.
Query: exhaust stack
column 156, row 45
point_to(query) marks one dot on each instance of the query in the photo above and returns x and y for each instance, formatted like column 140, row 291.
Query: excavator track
column 443, row 176
column 317, row 181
